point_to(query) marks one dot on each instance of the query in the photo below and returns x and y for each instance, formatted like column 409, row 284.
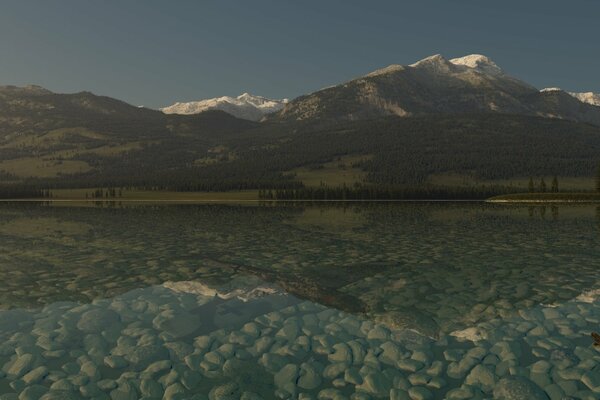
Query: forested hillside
column 86, row 141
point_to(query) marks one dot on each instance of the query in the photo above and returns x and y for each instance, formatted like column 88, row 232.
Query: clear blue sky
column 153, row 53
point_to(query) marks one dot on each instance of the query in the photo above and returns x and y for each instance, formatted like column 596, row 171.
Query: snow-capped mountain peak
column 587, row 97
column 551, row 89
column 246, row 106
column 478, row 62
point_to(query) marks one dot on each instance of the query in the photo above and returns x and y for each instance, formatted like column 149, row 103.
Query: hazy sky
column 153, row 53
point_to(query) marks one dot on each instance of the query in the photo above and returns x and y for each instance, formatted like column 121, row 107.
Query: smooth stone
column 229, row 391
column 330, row 394
column 125, row 391
column 399, row 394
column 36, row 375
column 351, row 375
column 97, row 320
column 91, row 370
column 392, row 353
column 461, row 393
column 481, row 376
column 376, row 384
column 90, row 390
column 115, row 362
column 143, row 356
column 453, row 354
column 309, row 378
column 342, row 353
column 107, row 384
column 457, row 370
column 191, row 379
column 286, row 378
column 290, row 330
column 203, row 342
column 436, row 383
column 332, row 371
column 62, row 385
column 262, row 345
column 17, row 385
column 252, row 329
column 176, row 323
column 407, row 319
column 250, row 396
column 418, row 379
column 193, row 361
column 420, row 356
column 214, row 357
column 541, row 367
column 175, row 391
column 33, row 392
column 21, row 366
column 379, row 332
column 60, row 395
column 410, row 365
column 554, row 391
column 436, row 368
column 358, row 352
column 157, row 367
column 518, row 388
column 150, row 388
column 591, row 379
column 420, row 393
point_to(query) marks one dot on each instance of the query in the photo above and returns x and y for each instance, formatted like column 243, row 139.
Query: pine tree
column 598, row 179
column 543, row 186
column 531, row 185
column 555, row 184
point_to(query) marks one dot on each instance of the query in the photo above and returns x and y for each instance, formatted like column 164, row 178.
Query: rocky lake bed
column 430, row 303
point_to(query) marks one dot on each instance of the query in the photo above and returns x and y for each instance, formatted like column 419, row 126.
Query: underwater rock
column 518, row 388
column 97, row 320
column 408, row 319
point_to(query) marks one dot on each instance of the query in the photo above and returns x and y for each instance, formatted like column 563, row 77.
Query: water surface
column 423, row 300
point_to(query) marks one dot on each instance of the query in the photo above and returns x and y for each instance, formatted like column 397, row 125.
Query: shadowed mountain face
column 84, row 137
column 35, row 110
column 434, row 85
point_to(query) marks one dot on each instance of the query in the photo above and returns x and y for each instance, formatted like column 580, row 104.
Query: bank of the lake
column 560, row 197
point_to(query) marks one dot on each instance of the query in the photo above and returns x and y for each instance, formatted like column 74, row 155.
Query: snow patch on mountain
column 478, row 62
column 587, row 97
column 244, row 106
column 551, row 89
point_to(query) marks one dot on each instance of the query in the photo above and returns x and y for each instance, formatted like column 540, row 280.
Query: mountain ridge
column 400, row 126
column 433, row 85
column 244, row 106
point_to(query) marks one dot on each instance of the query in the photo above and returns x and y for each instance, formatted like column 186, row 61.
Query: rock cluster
column 157, row 343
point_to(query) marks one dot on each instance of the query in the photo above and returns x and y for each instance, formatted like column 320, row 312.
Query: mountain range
column 451, row 122
column 473, row 83
column 244, row 106
column 435, row 85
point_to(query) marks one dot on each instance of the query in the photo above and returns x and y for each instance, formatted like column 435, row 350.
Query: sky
column 157, row 52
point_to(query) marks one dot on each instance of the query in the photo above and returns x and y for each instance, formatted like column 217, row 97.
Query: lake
column 307, row 301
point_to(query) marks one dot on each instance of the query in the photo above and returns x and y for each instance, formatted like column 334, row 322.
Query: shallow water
column 411, row 300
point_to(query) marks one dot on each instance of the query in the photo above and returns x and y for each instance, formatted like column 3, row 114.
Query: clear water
column 410, row 300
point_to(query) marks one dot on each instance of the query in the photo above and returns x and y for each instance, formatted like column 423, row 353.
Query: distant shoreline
column 240, row 201
column 547, row 198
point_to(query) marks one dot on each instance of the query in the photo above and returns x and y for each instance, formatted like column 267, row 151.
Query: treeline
column 363, row 192
column 598, row 178
column 542, row 187
column 23, row 192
